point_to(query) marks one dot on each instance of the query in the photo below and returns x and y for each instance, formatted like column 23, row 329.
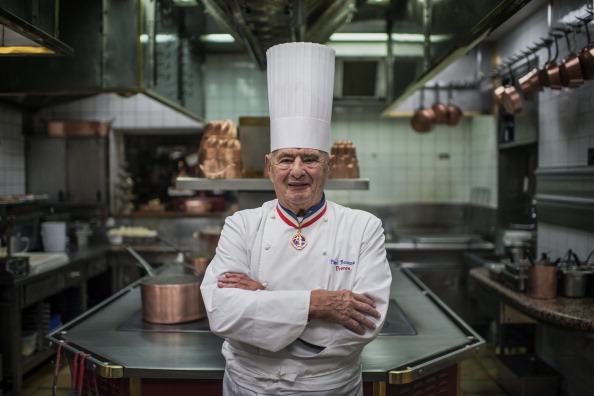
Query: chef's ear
column 268, row 166
column 331, row 163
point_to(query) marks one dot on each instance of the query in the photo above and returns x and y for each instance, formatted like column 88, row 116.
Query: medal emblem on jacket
column 298, row 241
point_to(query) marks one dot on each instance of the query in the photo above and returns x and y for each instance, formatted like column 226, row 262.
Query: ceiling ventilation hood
column 19, row 37
column 260, row 24
column 122, row 47
column 416, row 39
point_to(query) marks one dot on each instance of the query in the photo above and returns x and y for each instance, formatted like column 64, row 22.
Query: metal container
column 168, row 299
column 575, row 281
column 542, row 281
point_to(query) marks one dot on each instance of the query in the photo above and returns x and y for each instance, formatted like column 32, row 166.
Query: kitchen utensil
column 526, row 80
column 440, row 110
column 543, row 75
column 535, row 82
column 512, row 103
column 17, row 244
column 587, row 53
column 422, row 120
column 53, row 235
column 574, row 276
column 553, row 73
column 454, row 113
column 169, row 298
column 209, row 239
column 542, row 282
column 570, row 70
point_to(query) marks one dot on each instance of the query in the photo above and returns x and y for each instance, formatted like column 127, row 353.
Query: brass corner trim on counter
column 410, row 374
column 111, row 370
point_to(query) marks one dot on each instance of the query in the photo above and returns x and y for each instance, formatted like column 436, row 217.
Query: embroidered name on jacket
column 342, row 265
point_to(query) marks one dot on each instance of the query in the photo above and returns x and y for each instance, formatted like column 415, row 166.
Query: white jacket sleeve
column 264, row 319
column 374, row 280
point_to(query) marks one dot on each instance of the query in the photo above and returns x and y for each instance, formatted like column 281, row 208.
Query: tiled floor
column 477, row 379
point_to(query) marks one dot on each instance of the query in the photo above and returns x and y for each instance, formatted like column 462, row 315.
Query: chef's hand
column 343, row 307
column 239, row 281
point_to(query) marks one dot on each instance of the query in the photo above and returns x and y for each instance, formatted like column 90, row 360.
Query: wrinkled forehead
column 295, row 152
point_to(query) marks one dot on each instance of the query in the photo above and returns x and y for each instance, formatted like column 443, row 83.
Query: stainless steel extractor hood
column 417, row 39
column 124, row 47
column 19, row 37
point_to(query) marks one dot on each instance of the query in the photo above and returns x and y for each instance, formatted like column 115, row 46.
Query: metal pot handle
column 142, row 261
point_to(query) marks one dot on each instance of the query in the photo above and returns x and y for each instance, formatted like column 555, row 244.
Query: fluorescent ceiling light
column 184, row 3
column 383, row 37
column 217, row 38
column 160, row 38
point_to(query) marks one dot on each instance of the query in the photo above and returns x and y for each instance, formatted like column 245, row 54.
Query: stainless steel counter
column 440, row 339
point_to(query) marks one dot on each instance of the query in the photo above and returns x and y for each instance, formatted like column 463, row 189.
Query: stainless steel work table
column 396, row 356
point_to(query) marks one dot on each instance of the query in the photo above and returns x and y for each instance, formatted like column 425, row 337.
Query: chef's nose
column 298, row 168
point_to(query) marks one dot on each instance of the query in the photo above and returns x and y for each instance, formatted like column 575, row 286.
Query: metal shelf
column 195, row 183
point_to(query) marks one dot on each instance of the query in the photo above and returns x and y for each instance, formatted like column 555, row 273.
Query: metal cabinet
column 30, row 302
column 68, row 169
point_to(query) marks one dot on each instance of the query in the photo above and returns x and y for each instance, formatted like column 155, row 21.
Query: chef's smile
column 299, row 176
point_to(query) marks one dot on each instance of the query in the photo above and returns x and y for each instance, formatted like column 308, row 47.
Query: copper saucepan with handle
column 512, row 102
column 535, row 82
column 454, row 113
column 553, row 72
column 543, row 75
column 422, row 119
column 169, row 298
column 587, row 53
column 570, row 69
column 440, row 109
column 526, row 80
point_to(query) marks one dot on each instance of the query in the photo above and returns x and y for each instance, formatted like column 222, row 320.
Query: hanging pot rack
column 518, row 62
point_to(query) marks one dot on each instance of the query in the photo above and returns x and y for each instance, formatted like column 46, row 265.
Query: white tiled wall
column 12, row 151
column 403, row 166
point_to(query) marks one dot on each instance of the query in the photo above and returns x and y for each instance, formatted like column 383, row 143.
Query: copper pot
column 454, row 113
column 439, row 109
column 587, row 55
column 570, row 70
column 422, row 119
column 169, row 299
column 512, row 103
column 209, row 239
column 553, row 72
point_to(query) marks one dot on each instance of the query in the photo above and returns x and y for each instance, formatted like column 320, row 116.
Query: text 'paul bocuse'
column 342, row 265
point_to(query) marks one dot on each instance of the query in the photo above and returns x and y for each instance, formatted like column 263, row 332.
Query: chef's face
column 299, row 176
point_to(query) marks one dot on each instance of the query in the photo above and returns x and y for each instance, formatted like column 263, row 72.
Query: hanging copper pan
column 587, row 54
column 570, row 70
column 454, row 113
column 535, row 83
column 553, row 73
column 440, row 109
column 512, row 102
column 543, row 75
column 422, row 120
column 526, row 81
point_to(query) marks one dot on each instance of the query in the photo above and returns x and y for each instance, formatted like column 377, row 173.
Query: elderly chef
column 299, row 285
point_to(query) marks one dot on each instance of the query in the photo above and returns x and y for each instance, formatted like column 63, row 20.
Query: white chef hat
column 300, row 90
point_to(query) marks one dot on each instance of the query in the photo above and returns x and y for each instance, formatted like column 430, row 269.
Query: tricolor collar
column 291, row 218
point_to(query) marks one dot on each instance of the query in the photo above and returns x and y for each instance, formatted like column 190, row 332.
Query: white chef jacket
column 263, row 329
